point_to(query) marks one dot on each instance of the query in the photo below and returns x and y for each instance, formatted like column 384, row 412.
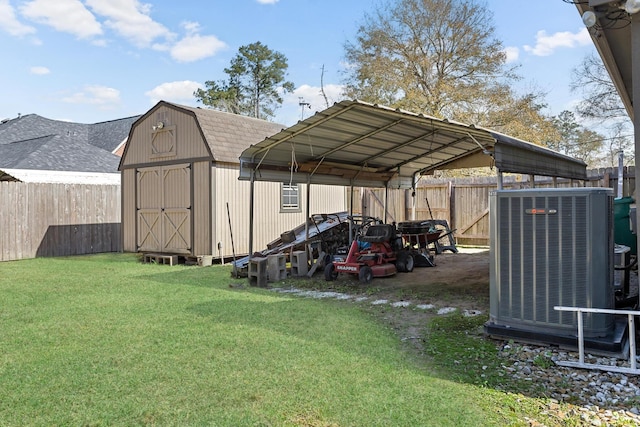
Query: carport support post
column 413, row 204
column 386, row 198
column 351, row 214
column 308, row 216
column 500, row 180
column 635, row 79
column 414, row 197
column 251, row 196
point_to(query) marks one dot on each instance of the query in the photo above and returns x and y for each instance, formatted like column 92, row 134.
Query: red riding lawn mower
column 378, row 252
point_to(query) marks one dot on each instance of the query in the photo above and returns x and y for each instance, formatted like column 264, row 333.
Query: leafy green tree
column 439, row 57
column 520, row 116
column 567, row 127
column 575, row 140
column 221, row 95
column 255, row 85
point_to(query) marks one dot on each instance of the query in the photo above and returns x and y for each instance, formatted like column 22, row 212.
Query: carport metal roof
column 365, row 145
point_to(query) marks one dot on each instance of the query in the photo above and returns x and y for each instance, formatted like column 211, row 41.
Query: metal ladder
column 632, row 340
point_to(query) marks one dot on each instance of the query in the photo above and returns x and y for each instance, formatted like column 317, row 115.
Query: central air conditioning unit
column 551, row 247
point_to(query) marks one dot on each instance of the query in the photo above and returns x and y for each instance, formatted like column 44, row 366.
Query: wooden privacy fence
column 71, row 219
column 464, row 202
column 58, row 219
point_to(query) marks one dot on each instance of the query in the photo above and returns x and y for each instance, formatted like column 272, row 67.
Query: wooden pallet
column 160, row 259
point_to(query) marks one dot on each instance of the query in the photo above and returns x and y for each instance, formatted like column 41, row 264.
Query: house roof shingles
column 108, row 135
column 35, row 142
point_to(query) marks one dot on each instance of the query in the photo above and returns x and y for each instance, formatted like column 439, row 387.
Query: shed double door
column 164, row 209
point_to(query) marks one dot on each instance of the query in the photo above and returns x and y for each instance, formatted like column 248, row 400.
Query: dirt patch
column 459, row 280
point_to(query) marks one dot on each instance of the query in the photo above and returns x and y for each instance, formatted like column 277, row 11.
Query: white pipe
column 620, row 174
column 632, row 342
column 580, row 337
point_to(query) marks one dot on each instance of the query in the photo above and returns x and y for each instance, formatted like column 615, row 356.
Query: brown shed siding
column 269, row 221
column 128, row 210
column 178, row 128
column 229, row 190
column 202, row 209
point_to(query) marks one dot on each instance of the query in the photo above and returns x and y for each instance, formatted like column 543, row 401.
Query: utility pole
column 303, row 104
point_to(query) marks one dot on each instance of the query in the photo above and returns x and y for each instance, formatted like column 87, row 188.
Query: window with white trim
column 290, row 197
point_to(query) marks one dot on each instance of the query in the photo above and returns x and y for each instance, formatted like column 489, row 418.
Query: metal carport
column 354, row 143
column 358, row 144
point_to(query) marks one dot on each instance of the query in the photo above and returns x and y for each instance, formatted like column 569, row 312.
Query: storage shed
column 180, row 188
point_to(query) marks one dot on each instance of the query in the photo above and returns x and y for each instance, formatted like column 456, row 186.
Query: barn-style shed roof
column 229, row 134
column 362, row 144
column 226, row 134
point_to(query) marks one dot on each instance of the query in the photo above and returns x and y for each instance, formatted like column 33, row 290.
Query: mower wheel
column 330, row 272
column 404, row 262
column 365, row 275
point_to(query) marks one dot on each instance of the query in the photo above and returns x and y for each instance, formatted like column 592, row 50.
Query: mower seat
column 379, row 233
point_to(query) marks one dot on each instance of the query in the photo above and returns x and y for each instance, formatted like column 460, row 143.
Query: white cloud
column 268, row 1
column 95, row 95
column 512, row 53
column 191, row 27
column 9, row 22
column 130, row 19
column 195, row 47
column 292, row 111
column 179, row 91
column 38, row 70
column 547, row 44
column 69, row 16
column 313, row 95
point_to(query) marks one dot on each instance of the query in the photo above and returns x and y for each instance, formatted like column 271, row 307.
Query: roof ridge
column 116, row 120
column 206, row 110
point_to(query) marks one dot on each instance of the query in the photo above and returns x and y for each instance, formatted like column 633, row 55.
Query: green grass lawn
column 106, row 340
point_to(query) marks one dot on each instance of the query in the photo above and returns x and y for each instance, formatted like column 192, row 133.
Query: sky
column 90, row 61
